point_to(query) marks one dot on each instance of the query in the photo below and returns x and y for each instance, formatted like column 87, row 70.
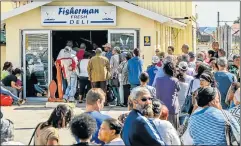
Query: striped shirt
column 207, row 127
column 235, row 112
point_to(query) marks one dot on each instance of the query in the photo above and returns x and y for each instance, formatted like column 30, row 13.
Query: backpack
column 6, row 100
column 110, row 94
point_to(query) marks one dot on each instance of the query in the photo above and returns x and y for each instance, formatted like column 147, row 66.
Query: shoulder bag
column 188, row 100
column 114, row 82
column 33, row 135
column 231, row 133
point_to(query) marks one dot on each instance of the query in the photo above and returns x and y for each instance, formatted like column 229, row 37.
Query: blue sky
column 207, row 12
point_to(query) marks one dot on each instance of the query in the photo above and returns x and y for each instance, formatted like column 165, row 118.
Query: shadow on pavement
column 114, row 108
column 24, row 128
column 33, row 108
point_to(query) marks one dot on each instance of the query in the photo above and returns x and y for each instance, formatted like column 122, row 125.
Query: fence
column 228, row 40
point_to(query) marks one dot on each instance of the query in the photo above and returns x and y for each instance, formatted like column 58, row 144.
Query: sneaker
column 24, row 100
column 113, row 104
column 18, row 102
column 107, row 104
column 21, row 101
column 123, row 105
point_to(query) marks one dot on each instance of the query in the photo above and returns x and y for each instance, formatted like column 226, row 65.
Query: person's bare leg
column 80, row 99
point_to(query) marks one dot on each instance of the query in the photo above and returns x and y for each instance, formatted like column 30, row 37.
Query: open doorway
column 84, row 36
column 60, row 38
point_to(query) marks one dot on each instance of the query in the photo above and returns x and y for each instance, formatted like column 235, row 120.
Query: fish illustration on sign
column 108, row 15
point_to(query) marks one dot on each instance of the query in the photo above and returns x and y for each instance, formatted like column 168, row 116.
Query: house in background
column 236, row 38
column 205, row 37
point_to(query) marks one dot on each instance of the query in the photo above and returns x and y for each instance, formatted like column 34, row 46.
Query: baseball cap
column 183, row 65
column 107, row 45
column 191, row 55
column 155, row 59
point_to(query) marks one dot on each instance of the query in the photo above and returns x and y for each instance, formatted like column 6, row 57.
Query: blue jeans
column 38, row 89
column 71, row 88
column 117, row 95
column 7, row 92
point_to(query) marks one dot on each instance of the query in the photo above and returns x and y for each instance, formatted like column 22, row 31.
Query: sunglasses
column 145, row 99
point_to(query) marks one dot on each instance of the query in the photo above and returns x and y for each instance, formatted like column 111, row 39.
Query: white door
column 125, row 39
column 36, row 61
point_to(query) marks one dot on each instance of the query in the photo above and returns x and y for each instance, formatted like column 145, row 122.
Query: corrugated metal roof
column 207, row 30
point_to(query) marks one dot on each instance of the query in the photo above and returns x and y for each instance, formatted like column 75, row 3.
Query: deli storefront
column 37, row 34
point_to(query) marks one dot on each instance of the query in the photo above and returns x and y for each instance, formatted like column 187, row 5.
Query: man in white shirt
column 67, row 51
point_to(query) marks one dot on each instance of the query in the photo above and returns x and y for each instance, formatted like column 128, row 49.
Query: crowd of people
column 191, row 99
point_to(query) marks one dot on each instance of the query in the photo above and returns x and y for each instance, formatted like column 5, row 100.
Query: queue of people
column 184, row 100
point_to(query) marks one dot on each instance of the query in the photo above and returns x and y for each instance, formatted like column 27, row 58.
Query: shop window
column 125, row 39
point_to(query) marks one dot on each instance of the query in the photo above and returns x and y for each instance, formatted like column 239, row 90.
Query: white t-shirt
column 183, row 92
column 196, row 85
column 188, row 79
column 83, row 72
column 167, row 131
column 191, row 71
column 66, row 54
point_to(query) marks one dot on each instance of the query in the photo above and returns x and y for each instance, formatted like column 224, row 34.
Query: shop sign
column 78, row 15
column 147, row 40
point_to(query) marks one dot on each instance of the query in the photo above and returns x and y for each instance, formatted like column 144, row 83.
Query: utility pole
column 218, row 19
column 218, row 26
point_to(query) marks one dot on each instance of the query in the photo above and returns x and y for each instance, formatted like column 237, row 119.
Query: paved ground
column 26, row 117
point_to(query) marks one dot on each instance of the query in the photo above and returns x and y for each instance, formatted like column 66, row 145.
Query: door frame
column 23, row 48
column 123, row 31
